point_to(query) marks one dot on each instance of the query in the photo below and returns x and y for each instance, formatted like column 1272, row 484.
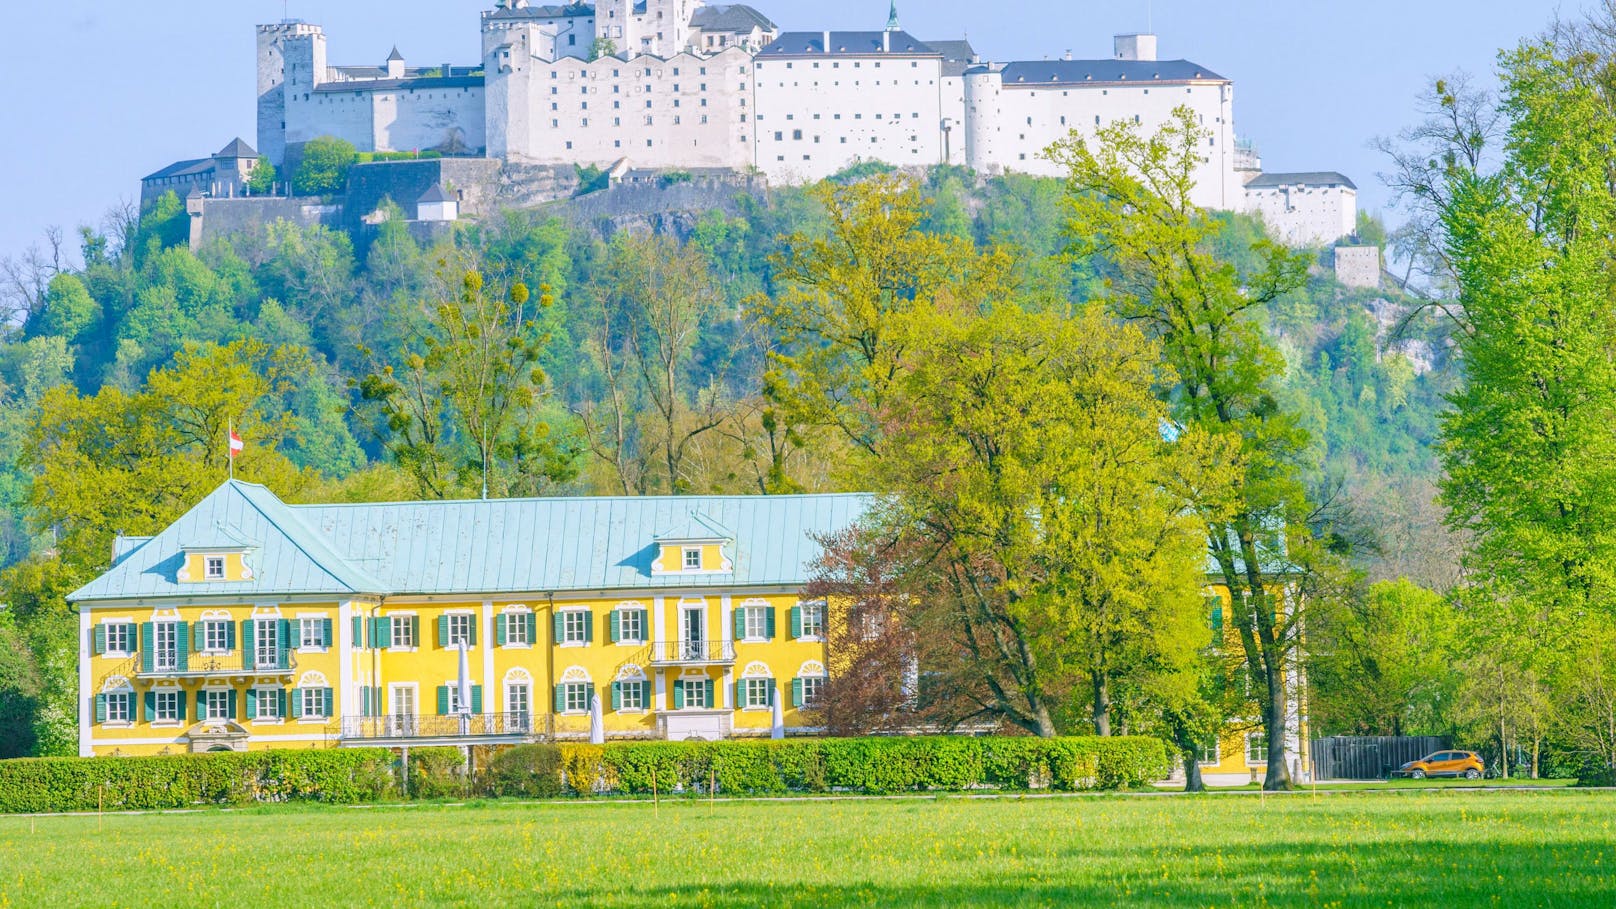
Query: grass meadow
column 1441, row 849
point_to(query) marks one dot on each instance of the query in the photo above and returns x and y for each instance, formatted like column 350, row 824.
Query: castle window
column 214, row 570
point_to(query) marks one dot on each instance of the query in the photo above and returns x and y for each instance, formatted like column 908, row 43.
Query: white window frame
column 684, row 558
column 575, row 692
column 310, row 696
column 1216, row 757
column 466, row 622
column 304, row 626
column 695, row 689
column 270, row 696
column 574, row 622
column 641, row 695
column 1256, row 738
column 165, row 658
column 641, row 619
column 757, row 694
column 124, row 698
column 815, row 609
column 208, row 696
column 519, row 692
column 126, row 633
column 210, row 627
column 213, row 568
column 810, row 698
column 402, row 628
column 759, row 615
column 516, row 629
column 170, row 715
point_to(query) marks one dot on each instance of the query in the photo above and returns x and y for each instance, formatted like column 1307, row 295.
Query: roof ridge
column 301, row 544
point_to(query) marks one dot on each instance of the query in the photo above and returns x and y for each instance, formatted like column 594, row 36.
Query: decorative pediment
column 698, row 546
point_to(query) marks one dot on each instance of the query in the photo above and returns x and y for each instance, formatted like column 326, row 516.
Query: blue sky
column 94, row 95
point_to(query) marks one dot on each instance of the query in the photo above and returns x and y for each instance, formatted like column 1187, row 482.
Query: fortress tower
column 290, row 53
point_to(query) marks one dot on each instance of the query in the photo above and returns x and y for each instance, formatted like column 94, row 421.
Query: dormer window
column 214, row 570
column 692, row 558
column 701, row 546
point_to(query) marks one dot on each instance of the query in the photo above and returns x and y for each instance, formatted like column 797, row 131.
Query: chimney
column 1066, row 56
column 826, row 48
column 886, row 42
column 1136, row 47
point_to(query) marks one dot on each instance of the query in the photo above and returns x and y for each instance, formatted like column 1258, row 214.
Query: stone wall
column 224, row 217
column 653, row 205
column 473, row 180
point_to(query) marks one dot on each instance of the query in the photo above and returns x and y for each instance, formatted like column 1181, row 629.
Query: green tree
column 261, row 182
column 1129, row 202
column 1381, row 662
column 323, row 169
column 463, row 413
column 69, row 309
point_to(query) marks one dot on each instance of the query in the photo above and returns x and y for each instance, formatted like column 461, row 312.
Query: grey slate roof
column 958, row 56
column 502, row 546
column 733, row 18
column 395, row 55
column 196, row 167
column 845, row 44
column 1081, row 72
column 237, row 149
column 436, row 194
column 1305, row 178
column 547, row 11
column 414, row 82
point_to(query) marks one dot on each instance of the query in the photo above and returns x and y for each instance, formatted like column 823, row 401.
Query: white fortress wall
column 819, row 113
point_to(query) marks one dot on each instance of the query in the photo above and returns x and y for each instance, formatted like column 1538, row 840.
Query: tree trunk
column 1102, row 704
column 1275, row 720
column 1192, row 772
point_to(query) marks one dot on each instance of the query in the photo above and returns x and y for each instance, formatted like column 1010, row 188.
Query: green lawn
column 1550, row 848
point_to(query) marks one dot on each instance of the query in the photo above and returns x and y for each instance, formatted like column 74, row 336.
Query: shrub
column 262, row 179
column 437, row 773
column 181, row 781
column 526, row 771
column 324, row 168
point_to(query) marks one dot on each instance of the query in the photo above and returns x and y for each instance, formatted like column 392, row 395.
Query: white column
column 487, row 637
column 658, row 633
column 86, row 710
column 343, row 641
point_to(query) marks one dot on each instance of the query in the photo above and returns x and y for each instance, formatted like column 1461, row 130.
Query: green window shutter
column 532, row 623
column 179, row 705
column 772, row 688
column 443, row 700
column 148, row 642
column 364, row 701
column 151, row 706
column 740, row 693
column 230, row 635
column 616, row 627
column 739, row 622
column 796, row 622
column 199, row 637
column 501, row 635
column 679, row 695
column 297, row 703
column 477, row 699
column 280, row 697
column 100, row 708
column 645, row 693
column 709, row 693
column 560, row 628
column 181, row 638
column 252, row 703
column 330, row 703
column 443, row 631
column 589, row 695
column 796, row 692
column 617, row 696
column 285, row 649
column 231, row 705
column 357, row 629
column 415, row 631
column 589, row 628
column 196, row 708
column 99, row 639
column 248, row 652
column 560, row 698
column 325, row 632
column 472, row 629
column 768, row 622
column 381, row 633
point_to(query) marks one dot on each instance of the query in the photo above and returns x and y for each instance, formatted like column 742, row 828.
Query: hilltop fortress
column 680, row 85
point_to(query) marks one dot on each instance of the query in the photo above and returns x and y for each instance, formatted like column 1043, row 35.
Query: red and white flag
column 236, row 445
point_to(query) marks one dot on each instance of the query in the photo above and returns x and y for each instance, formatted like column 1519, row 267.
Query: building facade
column 1307, row 209
column 675, row 84
column 253, row 624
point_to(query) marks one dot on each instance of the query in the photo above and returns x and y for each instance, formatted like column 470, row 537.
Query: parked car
column 1467, row 764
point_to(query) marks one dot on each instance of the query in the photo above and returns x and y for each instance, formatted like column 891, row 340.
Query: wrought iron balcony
column 691, row 653
column 173, row 665
column 510, row 726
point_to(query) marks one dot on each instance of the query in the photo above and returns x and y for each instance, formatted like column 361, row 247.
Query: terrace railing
column 691, row 653
column 513, row 726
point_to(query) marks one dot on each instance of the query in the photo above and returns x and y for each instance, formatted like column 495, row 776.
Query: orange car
column 1467, row 764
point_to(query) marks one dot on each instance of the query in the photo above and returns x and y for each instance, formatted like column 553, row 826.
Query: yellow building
column 250, row 623
column 1240, row 754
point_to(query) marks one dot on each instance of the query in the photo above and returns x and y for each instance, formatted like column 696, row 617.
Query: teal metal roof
column 697, row 528
column 491, row 547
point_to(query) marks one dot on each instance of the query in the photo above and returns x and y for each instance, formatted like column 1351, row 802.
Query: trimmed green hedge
column 341, row 776
column 873, row 765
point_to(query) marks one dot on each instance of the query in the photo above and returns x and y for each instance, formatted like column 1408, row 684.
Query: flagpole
column 230, row 453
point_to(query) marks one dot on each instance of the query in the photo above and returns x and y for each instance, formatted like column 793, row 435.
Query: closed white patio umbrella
column 597, row 723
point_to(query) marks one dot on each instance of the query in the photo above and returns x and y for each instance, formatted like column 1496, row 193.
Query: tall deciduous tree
column 1129, row 202
column 463, row 414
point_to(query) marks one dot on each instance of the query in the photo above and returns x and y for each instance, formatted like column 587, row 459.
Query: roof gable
column 847, row 44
